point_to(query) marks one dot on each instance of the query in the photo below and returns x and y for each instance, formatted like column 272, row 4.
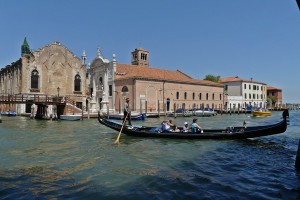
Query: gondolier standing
column 127, row 112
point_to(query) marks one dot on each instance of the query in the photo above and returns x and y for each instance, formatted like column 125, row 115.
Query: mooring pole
column 297, row 164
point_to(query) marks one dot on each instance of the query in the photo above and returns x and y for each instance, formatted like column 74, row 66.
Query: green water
column 78, row 160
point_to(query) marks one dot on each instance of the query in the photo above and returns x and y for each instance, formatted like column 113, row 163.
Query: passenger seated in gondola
column 185, row 128
column 196, row 128
column 173, row 126
column 165, row 127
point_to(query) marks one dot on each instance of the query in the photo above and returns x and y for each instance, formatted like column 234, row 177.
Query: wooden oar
column 118, row 138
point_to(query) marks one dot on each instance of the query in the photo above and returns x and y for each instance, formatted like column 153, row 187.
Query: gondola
column 226, row 133
column 120, row 116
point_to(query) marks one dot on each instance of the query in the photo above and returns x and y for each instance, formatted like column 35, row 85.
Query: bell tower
column 140, row 57
column 25, row 48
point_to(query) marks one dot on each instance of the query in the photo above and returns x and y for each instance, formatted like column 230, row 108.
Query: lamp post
column 58, row 91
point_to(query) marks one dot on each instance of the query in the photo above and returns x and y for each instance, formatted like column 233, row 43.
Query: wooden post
column 88, row 108
column 141, row 109
column 120, row 105
column 174, row 110
column 165, row 108
column 297, row 164
column 158, row 109
column 146, row 107
column 107, row 106
column 222, row 109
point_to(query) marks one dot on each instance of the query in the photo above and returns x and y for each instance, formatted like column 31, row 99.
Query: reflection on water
column 78, row 160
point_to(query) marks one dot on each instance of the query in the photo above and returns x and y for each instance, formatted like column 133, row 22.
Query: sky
column 256, row 39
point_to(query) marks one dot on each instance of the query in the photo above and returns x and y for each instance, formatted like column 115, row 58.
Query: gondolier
column 127, row 112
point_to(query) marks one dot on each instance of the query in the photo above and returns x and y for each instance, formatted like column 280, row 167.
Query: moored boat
column 180, row 113
column 261, row 113
column 242, row 132
column 10, row 113
column 152, row 115
column 205, row 113
column 70, row 117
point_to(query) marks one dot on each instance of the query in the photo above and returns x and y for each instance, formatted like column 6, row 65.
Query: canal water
column 78, row 160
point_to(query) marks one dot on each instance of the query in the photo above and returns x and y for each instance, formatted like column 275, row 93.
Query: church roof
column 143, row 72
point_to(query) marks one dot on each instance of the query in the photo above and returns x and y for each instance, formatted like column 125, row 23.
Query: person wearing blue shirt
column 196, row 127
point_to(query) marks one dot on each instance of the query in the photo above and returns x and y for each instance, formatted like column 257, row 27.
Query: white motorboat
column 70, row 117
column 205, row 113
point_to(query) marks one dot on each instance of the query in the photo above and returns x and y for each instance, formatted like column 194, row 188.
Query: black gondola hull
column 233, row 133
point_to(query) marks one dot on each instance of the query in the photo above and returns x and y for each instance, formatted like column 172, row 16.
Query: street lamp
column 58, row 91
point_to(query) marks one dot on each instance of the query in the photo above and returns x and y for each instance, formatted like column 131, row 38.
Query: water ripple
column 78, row 160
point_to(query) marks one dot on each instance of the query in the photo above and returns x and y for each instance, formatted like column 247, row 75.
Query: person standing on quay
column 127, row 112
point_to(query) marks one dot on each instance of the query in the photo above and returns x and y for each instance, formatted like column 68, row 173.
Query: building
column 52, row 70
column 242, row 93
column 275, row 97
column 150, row 89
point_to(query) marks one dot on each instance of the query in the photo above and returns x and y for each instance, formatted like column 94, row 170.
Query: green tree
column 212, row 78
column 271, row 100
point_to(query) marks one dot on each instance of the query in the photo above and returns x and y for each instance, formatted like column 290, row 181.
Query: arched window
column 177, row 95
column 193, row 95
column 35, row 79
column 77, row 83
column 124, row 89
column 200, row 96
column 206, row 96
column 213, row 96
column 185, row 95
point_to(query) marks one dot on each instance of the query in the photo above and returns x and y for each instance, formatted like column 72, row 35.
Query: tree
column 212, row 78
column 271, row 100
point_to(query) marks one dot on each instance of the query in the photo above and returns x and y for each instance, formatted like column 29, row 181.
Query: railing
column 72, row 102
column 25, row 98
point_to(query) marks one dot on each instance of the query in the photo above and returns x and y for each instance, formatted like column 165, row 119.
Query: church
column 52, row 70
column 150, row 89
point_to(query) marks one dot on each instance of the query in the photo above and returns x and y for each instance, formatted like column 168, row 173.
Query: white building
column 242, row 93
column 102, row 84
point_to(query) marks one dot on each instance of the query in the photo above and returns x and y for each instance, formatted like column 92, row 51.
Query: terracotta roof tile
column 272, row 88
column 237, row 79
column 134, row 71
